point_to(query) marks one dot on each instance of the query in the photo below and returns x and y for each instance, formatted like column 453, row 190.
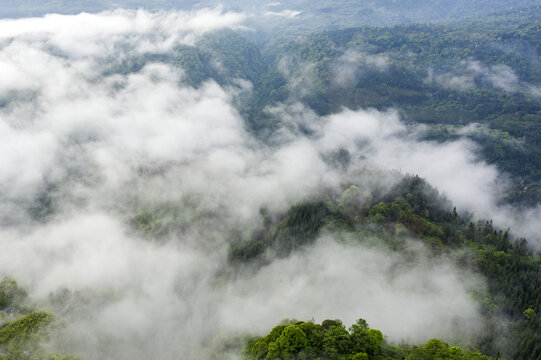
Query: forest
column 444, row 76
column 263, row 180
column 330, row 340
column 512, row 270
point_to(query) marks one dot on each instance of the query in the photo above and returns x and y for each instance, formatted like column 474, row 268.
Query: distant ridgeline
column 331, row 340
column 325, row 14
column 485, row 71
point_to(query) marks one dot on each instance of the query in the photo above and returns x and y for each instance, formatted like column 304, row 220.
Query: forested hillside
column 292, row 18
column 446, row 76
column 178, row 177
column 330, row 340
column 414, row 208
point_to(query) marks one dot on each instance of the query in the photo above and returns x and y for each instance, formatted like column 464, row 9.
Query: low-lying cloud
column 473, row 74
column 162, row 300
column 337, row 280
column 106, row 146
column 382, row 141
column 96, row 35
column 287, row 13
column 350, row 68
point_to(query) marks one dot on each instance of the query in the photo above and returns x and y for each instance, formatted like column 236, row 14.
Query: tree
column 436, row 349
column 10, row 293
column 292, row 340
column 336, row 341
column 456, row 353
column 375, row 338
column 261, row 348
column 359, row 336
column 360, row 327
column 360, row 356
column 529, row 313
column 274, row 351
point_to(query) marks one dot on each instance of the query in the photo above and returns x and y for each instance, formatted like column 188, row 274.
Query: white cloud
column 457, row 82
column 287, row 13
column 534, row 91
column 499, row 76
column 451, row 167
column 411, row 302
column 350, row 68
column 113, row 144
column 99, row 34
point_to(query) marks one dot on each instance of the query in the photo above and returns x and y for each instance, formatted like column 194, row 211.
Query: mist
column 349, row 69
column 106, row 145
column 473, row 74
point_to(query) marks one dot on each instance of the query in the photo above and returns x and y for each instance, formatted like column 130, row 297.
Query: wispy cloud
column 473, row 74
column 287, row 13
column 350, row 68
column 107, row 146
column 98, row 34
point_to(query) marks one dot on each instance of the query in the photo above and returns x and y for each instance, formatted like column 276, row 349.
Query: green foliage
column 421, row 60
column 61, row 357
column 292, row 340
column 420, row 57
column 300, row 226
column 529, row 313
column 10, row 293
column 25, row 332
column 351, row 195
column 274, row 352
column 360, row 356
column 512, row 271
column 261, row 348
column 436, row 349
column 336, row 342
column 330, row 340
column 48, row 356
column 379, row 212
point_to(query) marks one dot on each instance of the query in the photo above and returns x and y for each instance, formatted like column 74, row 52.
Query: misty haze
column 270, row 180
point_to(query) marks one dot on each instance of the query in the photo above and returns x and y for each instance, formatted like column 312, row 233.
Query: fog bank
column 93, row 150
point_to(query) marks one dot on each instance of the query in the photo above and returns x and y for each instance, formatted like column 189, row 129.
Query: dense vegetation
column 331, row 340
column 325, row 14
column 10, row 293
column 486, row 71
column 23, row 332
column 417, row 62
column 446, row 76
column 513, row 271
